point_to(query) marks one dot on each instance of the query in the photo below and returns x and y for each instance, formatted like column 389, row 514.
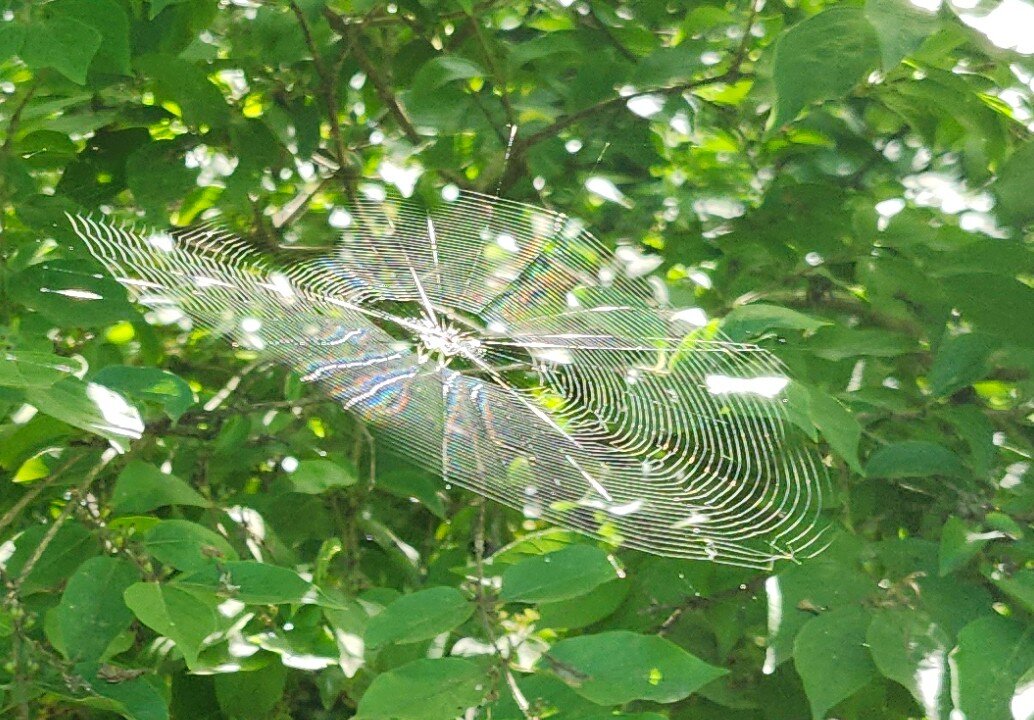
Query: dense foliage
column 848, row 184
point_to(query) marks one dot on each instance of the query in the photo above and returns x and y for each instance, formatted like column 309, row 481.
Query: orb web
column 504, row 347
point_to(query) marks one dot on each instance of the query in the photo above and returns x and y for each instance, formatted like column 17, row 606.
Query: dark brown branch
column 380, row 83
column 328, row 82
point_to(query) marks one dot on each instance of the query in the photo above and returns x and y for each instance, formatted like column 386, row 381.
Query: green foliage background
column 848, row 184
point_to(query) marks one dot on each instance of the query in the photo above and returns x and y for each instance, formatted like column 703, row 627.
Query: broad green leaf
column 616, row 667
column 185, row 617
column 133, row 699
column 158, row 5
column 63, row 43
column 443, row 69
column 822, row 58
column 914, row 458
column 960, row 544
column 831, row 580
column 90, row 407
column 70, row 294
column 424, row 690
column 993, row 302
column 560, row 575
column 840, row 428
column 91, row 613
column 142, row 487
column 841, row 343
column 747, row 321
column 70, row 547
column 158, row 177
column 29, row 369
column 900, row 26
column 911, row 650
column 833, row 640
column 248, row 695
column 993, row 653
column 185, row 545
column 413, row 484
column 186, row 85
column 150, row 384
column 960, row 360
column 1019, row 585
column 12, row 36
column 252, row 582
column 109, row 19
column 578, row 612
column 1015, row 179
column 317, row 476
column 419, row 616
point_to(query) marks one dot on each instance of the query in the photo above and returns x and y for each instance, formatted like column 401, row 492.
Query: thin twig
column 380, row 83
column 32, row 493
column 483, row 602
column 16, row 114
column 328, row 82
column 493, row 67
column 66, row 512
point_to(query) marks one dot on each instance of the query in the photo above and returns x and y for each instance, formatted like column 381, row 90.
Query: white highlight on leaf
column 607, row 190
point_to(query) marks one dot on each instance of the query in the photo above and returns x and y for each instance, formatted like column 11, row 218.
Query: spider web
column 503, row 346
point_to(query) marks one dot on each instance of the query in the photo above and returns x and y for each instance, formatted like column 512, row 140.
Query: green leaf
column 249, row 695
column 443, row 69
column 150, row 384
column 960, row 544
column 914, row 458
column 424, row 690
column 1012, row 187
column 12, row 37
column 69, row 295
column 70, row 547
column 419, row 616
column 560, row 575
column 407, row 484
column 62, row 43
column 960, row 361
column 251, row 582
column 135, row 699
column 616, row 667
column 185, row 617
column 911, row 650
column 158, row 5
column 185, row 545
column 584, row 610
column 90, row 407
column 993, row 302
column 831, row 657
column 91, row 613
column 28, row 369
column 837, row 424
column 109, row 19
column 141, row 487
column 186, row 85
column 993, row 653
column 1019, row 585
column 901, row 27
column 822, row 58
column 747, row 321
column 158, row 177
column 317, row 476
column 841, row 343
column 828, row 581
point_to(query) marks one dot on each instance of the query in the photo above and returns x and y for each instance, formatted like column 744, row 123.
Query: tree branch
column 380, row 83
